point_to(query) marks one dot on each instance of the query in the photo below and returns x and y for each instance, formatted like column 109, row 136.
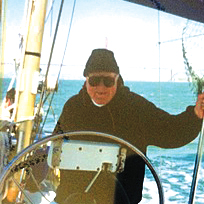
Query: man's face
column 101, row 86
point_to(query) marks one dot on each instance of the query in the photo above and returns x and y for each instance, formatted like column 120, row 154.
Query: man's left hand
column 199, row 108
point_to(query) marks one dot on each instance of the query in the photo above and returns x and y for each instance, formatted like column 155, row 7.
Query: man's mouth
column 101, row 93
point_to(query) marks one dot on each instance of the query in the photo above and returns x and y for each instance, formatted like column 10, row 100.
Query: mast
column 27, row 83
column 30, row 72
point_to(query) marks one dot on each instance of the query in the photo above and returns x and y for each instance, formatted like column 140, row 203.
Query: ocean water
column 174, row 166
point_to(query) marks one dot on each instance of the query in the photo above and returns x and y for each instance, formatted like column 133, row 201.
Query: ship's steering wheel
column 17, row 160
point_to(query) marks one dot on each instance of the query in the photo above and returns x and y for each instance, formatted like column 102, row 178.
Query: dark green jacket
column 136, row 120
column 132, row 118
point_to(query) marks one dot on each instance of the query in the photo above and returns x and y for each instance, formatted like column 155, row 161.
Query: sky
column 131, row 31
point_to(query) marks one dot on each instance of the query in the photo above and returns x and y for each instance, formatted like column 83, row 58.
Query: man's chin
column 101, row 102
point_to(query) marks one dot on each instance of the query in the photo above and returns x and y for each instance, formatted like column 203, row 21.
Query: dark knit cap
column 101, row 60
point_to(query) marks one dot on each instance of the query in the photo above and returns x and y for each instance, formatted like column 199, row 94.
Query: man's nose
column 101, row 84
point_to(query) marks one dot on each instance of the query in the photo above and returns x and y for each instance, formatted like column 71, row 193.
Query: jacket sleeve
column 59, row 126
column 169, row 131
column 64, row 124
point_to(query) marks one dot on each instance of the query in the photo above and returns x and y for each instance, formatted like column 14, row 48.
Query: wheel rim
column 70, row 135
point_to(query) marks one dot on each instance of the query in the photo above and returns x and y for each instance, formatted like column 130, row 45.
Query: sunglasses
column 96, row 80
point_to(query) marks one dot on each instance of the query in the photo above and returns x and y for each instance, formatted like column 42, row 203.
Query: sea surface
column 174, row 166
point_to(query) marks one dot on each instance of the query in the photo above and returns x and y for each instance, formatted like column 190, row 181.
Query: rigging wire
column 159, row 67
column 51, row 18
column 159, row 45
column 72, row 16
column 177, row 39
column 50, row 11
column 69, row 31
column 48, row 67
column 197, row 166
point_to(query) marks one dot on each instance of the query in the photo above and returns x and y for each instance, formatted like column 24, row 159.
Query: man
column 104, row 104
column 8, row 105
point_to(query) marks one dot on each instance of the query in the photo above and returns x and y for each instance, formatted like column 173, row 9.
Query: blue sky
column 129, row 30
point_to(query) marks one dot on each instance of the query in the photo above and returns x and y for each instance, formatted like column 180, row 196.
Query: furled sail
column 193, row 10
